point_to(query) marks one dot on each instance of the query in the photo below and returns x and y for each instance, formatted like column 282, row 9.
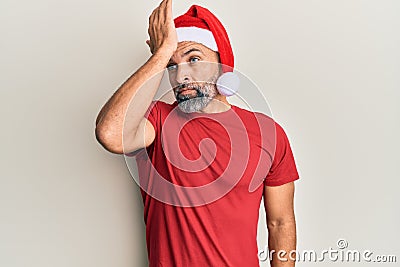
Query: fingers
column 168, row 9
column 164, row 4
column 160, row 26
column 152, row 14
column 153, row 23
column 151, row 20
column 156, row 17
column 164, row 8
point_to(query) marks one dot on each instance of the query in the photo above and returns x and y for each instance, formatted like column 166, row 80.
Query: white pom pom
column 228, row 84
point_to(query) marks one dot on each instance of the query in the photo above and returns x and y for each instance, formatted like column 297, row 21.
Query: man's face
column 193, row 71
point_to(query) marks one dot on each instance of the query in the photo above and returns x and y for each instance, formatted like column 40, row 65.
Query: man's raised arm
column 110, row 121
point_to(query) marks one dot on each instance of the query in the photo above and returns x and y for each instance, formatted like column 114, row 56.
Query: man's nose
column 183, row 74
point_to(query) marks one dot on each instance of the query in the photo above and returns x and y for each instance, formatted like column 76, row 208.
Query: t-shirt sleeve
column 151, row 114
column 283, row 169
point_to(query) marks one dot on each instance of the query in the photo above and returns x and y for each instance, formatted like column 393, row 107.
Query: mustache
column 186, row 86
column 192, row 85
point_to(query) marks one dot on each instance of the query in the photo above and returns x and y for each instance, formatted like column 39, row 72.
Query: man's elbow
column 283, row 222
column 109, row 141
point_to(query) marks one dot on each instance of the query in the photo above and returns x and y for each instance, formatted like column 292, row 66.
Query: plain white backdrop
column 329, row 69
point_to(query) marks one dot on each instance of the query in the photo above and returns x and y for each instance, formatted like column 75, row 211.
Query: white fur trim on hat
column 197, row 35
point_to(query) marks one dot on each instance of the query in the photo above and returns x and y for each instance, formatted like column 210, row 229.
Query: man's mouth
column 186, row 95
column 186, row 91
column 187, row 87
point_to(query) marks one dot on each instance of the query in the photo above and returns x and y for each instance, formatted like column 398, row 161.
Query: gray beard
column 194, row 104
column 205, row 95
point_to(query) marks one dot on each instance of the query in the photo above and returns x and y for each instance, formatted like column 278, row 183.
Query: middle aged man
column 204, row 164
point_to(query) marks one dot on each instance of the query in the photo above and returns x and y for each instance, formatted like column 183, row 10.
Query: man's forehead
column 185, row 47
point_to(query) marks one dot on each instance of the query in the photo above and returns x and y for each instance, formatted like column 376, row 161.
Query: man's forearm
column 282, row 237
column 132, row 99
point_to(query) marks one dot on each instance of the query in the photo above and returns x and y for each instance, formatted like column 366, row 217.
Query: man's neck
column 218, row 104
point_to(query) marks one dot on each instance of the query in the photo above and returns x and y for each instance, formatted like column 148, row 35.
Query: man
column 204, row 164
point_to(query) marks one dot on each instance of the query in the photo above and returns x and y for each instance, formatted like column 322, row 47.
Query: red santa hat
column 199, row 25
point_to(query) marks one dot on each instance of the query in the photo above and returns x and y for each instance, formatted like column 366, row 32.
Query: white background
column 329, row 69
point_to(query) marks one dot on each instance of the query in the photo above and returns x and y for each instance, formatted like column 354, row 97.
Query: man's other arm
column 281, row 223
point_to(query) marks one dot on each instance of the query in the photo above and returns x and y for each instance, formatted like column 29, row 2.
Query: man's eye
column 171, row 66
column 194, row 59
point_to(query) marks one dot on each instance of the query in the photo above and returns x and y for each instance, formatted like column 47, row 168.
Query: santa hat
column 199, row 25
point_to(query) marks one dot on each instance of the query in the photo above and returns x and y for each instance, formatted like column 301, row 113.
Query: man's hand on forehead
column 162, row 30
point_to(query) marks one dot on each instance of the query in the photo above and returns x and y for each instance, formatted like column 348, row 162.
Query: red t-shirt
column 228, row 157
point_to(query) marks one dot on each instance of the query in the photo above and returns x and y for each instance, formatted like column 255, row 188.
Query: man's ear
column 219, row 58
column 219, row 65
